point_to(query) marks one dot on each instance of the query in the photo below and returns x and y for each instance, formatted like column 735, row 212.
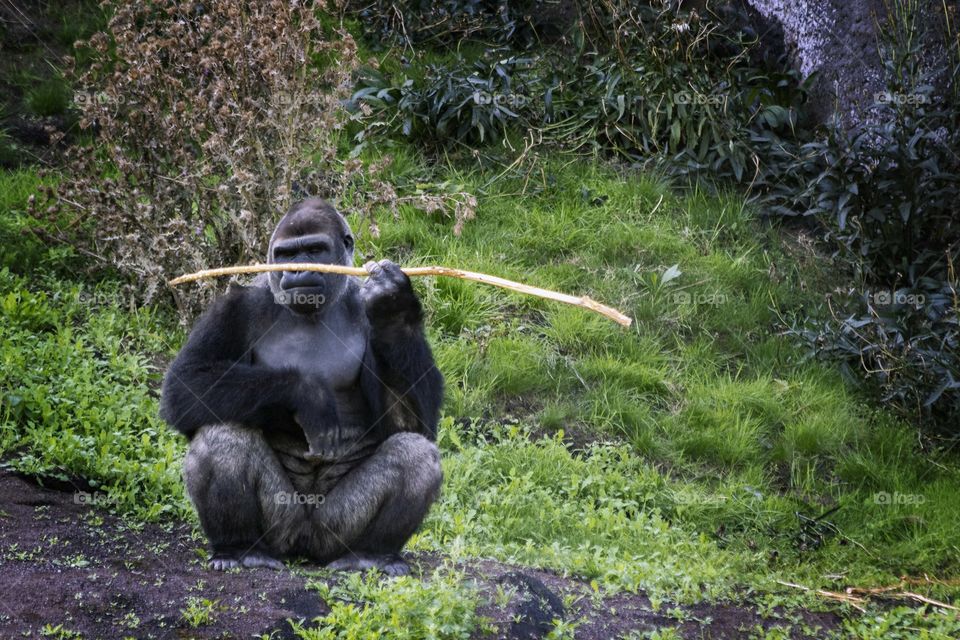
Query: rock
column 838, row 41
column 535, row 606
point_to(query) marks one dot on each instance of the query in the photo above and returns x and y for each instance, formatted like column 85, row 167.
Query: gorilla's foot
column 258, row 559
column 249, row 560
column 390, row 564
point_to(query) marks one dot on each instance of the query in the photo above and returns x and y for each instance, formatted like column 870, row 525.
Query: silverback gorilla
column 311, row 403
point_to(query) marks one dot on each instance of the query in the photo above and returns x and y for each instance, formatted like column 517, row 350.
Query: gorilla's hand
column 388, row 296
column 317, row 416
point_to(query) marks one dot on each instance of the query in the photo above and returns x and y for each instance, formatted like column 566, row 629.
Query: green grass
column 602, row 516
column 9, row 150
column 78, row 392
column 25, row 249
column 48, row 97
column 690, row 455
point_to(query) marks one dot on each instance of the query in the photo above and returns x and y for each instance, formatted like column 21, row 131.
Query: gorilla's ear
column 343, row 214
column 298, row 192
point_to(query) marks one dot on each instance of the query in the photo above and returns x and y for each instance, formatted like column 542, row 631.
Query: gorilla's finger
column 372, row 267
column 394, row 273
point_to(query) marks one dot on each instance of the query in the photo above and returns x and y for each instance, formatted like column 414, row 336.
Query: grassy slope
column 710, row 433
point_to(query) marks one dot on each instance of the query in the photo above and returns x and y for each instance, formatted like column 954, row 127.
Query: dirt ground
column 65, row 562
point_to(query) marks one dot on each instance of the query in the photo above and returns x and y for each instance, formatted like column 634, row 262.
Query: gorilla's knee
column 231, row 476
column 419, row 460
column 408, row 466
column 221, row 449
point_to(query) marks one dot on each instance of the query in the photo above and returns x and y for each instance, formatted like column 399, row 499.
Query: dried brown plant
column 205, row 117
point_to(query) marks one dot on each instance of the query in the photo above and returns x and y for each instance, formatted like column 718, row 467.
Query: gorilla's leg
column 369, row 515
column 233, row 478
column 248, row 508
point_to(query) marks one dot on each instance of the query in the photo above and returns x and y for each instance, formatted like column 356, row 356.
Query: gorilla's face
column 311, row 232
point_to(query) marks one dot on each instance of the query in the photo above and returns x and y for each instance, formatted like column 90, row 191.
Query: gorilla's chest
column 331, row 350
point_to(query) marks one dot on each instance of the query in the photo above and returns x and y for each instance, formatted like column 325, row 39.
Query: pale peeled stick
column 577, row 301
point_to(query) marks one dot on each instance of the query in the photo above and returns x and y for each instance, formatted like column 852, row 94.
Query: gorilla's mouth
column 301, row 280
column 302, row 289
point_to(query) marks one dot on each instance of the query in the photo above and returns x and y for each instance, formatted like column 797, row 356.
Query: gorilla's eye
column 348, row 242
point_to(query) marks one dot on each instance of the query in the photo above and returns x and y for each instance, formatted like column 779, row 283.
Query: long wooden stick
column 577, row 301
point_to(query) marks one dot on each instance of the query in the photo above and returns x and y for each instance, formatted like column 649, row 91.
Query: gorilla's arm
column 410, row 385
column 213, row 379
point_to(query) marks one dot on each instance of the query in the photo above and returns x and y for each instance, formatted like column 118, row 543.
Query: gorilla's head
column 311, row 231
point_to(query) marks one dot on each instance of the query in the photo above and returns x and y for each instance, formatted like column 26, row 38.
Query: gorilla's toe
column 249, row 560
column 395, row 566
column 351, row 562
column 223, row 563
column 390, row 564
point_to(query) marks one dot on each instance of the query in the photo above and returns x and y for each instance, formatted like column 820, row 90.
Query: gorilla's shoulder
column 254, row 293
column 241, row 301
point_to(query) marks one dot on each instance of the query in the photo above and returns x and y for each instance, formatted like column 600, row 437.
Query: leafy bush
column 207, row 114
column 903, row 343
column 887, row 190
column 450, row 102
column 418, row 22
column 659, row 94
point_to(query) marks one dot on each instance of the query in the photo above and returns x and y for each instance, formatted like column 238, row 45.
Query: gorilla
column 311, row 404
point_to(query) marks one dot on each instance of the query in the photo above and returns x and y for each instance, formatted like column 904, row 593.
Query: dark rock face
column 838, row 41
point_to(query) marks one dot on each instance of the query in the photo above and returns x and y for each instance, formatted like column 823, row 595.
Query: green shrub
column 904, row 343
column 659, row 95
column 459, row 101
column 422, row 22
column 887, row 191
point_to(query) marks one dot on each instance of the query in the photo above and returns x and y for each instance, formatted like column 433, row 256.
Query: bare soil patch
column 65, row 562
